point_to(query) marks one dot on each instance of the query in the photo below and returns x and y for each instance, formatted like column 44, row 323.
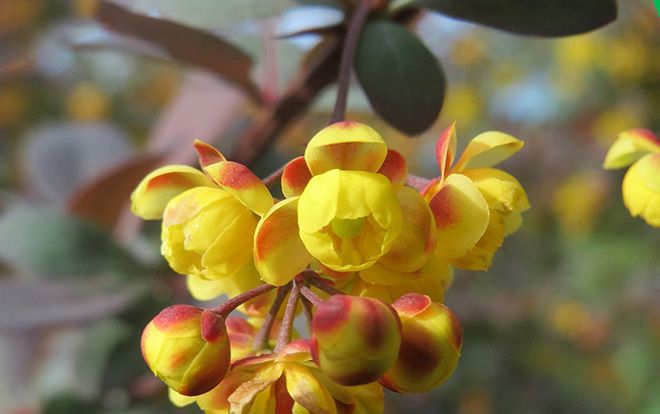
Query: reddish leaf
column 102, row 200
column 184, row 43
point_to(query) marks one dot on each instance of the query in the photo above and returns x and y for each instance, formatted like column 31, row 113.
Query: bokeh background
column 567, row 320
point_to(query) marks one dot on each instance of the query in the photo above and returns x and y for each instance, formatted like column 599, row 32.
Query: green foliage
column 402, row 79
column 529, row 17
column 49, row 243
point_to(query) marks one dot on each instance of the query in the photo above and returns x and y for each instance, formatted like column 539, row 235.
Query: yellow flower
column 287, row 382
column 208, row 218
column 349, row 219
column 641, row 184
column 341, row 209
column 475, row 206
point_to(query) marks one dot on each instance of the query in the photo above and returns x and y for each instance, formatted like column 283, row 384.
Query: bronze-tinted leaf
column 189, row 45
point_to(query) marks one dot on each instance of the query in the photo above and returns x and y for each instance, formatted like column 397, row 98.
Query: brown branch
column 347, row 58
column 274, row 176
column 262, row 337
column 307, row 309
column 319, row 72
column 324, row 285
column 227, row 307
column 186, row 44
column 311, row 296
column 284, row 336
column 418, row 183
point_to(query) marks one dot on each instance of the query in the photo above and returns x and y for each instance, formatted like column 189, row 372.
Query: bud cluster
column 364, row 250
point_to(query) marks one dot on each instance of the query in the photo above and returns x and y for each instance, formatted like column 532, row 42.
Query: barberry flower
column 188, row 348
column 288, row 382
column 342, row 207
column 641, row 184
column 208, row 218
column 355, row 340
column 386, row 285
column 431, row 340
column 475, row 206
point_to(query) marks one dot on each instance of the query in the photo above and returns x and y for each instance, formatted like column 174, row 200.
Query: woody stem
column 311, row 296
column 261, row 339
column 273, row 177
column 347, row 58
column 323, row 285
column 284, row 336
column 307, row 309
column 227, row 307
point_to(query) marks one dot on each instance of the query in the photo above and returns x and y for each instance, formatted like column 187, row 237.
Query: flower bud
column 187, row 347
column 431, row 339
column 355, row 340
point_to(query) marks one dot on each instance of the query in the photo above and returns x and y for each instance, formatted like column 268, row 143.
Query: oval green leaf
column 49, row 243
column 402, row 79
column 551, row 18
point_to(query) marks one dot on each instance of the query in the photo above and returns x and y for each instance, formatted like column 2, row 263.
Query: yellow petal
column 631, row 146
column 348, row 219
column 149, row 199
column 245, row 394
column 203, row 289
column 233, row 247
column 295, row 177
column 240, row 182
column 394, row 168
column 461, row 216
column 512, row 222
column 481, row 255
column 501, row 190
column 488, row 149
column 346, row 146
column 388, row 285
column 279, row 253
column 207, row 153
column 306, row 390
column 445, row 150
column 641, row 189
column 380, row 274
column 417, row 238
column 179, row 400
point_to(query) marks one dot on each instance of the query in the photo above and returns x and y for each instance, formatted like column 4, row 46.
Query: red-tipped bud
column 431, row 339
column 187, row 347
column 355, row 340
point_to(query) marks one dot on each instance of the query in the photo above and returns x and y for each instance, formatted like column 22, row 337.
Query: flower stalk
column 347, row 58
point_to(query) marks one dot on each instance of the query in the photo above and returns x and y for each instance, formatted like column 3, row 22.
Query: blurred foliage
column 567, row 320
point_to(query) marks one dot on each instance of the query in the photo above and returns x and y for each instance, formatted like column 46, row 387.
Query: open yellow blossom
column 208, row 217
column 286, row 382
column 641, row 184
column 342, row 208
column 475, row 206
column 349, row 219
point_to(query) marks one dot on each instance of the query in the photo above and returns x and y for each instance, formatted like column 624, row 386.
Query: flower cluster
column 641, row 184
column 358, row 245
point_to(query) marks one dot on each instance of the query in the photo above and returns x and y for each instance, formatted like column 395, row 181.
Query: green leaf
column 95, row 353
column 402, row 79
column 49, row 243
column 550, row 18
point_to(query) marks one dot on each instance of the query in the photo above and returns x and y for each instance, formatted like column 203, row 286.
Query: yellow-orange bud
column 355, row 340
column 187, row 347
column 431, row 339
